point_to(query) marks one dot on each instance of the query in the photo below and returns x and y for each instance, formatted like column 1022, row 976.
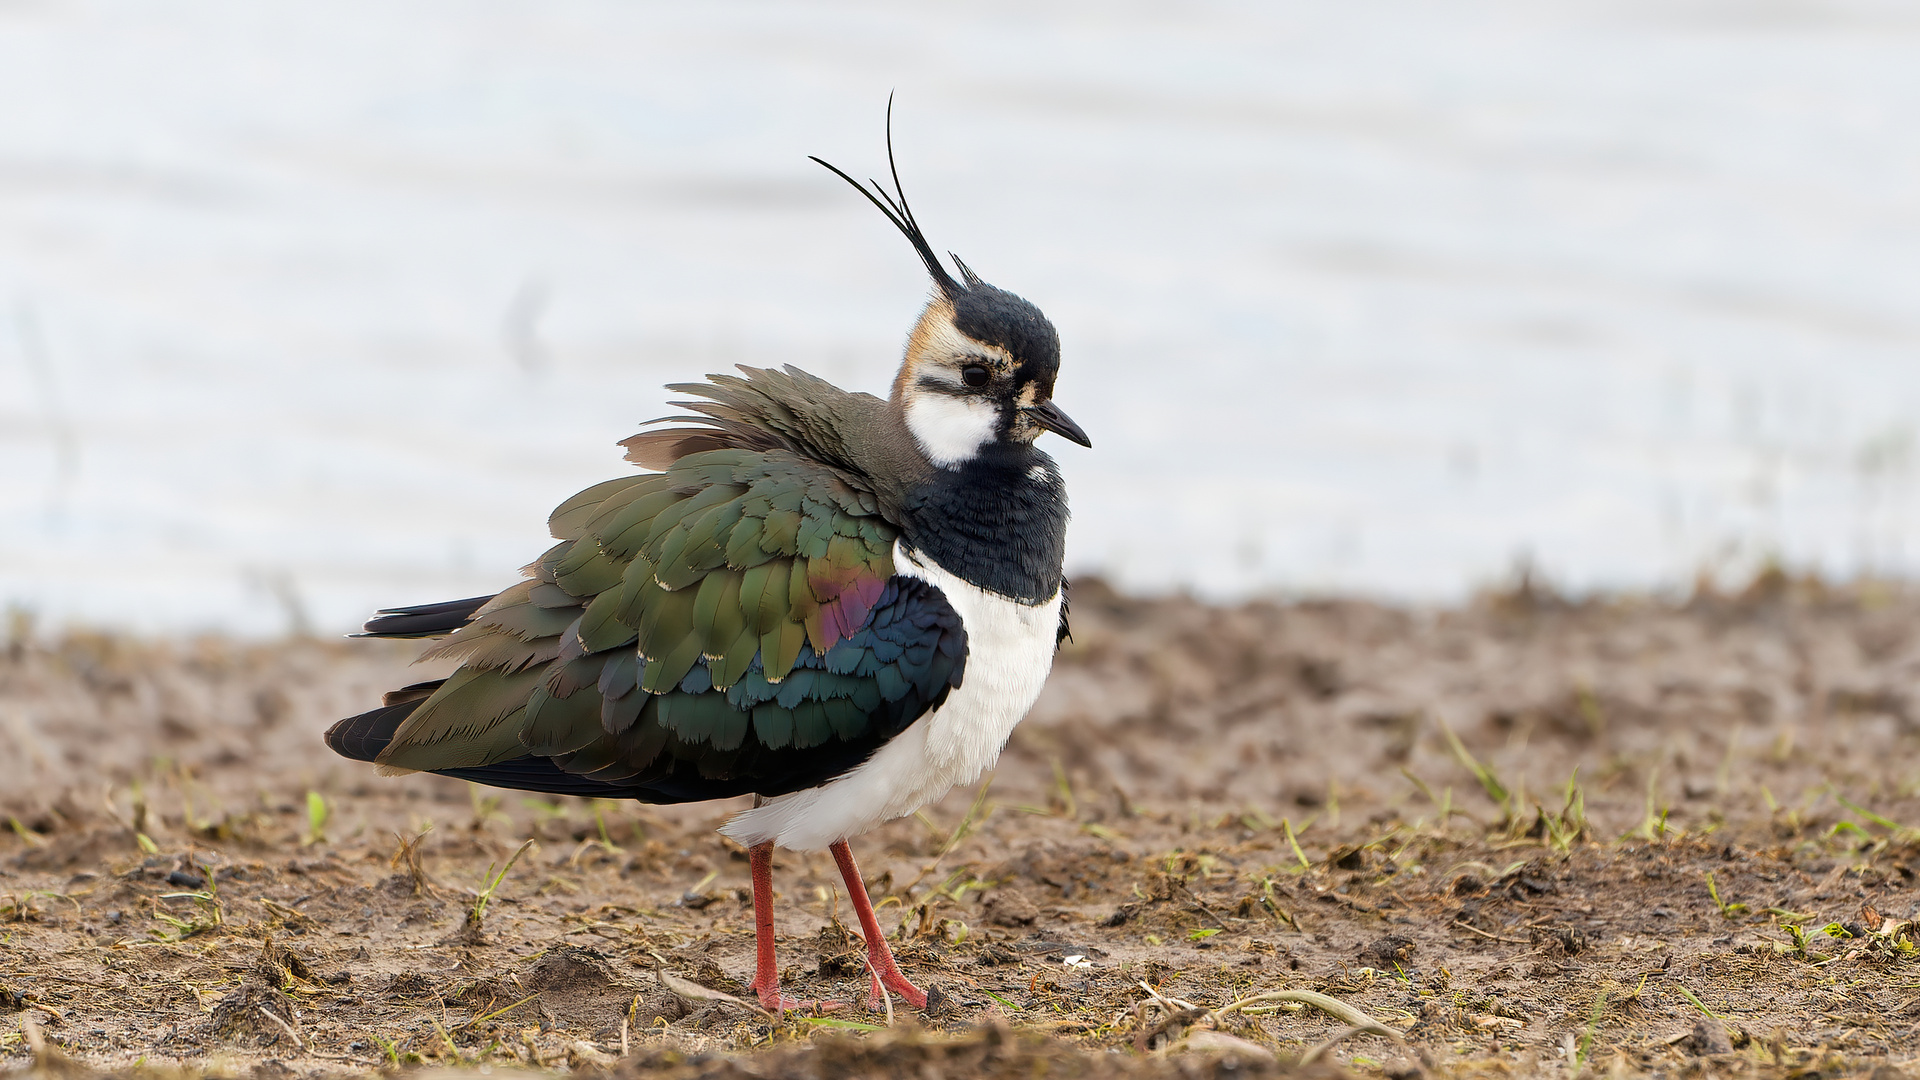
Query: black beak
column 1050, row 417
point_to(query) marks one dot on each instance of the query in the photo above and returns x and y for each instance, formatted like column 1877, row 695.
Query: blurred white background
column 308, row 308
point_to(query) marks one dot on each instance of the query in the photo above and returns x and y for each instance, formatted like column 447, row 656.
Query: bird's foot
column 886, row 974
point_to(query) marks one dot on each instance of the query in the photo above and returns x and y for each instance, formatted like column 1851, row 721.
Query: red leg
column 885, row 971
column 766, row 972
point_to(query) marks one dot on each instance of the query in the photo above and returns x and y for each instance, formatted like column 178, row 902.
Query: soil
column 1526, row 836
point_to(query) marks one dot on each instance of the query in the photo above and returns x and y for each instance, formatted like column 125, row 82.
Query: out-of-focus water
column 325, row 306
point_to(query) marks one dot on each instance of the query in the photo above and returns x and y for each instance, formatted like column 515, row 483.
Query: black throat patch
column 998, row 521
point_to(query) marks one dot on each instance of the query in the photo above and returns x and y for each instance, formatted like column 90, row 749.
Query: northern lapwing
column 838, row 604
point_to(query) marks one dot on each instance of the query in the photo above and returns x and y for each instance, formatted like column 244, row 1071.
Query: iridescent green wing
column 666, row 593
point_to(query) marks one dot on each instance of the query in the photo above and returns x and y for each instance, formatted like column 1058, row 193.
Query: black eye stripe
column 972, row 377
column 935, row 386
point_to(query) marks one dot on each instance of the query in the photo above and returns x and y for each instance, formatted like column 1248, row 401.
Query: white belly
column 1009, row 652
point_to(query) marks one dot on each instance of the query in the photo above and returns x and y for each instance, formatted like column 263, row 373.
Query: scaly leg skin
column 766, row 976
column 885, row 972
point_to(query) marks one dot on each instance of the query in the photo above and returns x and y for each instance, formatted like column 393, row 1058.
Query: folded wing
column 730, row 625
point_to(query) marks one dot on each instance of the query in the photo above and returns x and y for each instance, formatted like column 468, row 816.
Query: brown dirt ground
column 1208, row 803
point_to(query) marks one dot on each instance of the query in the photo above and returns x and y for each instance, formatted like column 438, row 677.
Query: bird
column 836, row 603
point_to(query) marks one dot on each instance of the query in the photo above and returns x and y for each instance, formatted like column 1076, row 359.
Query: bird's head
column 979, row 369
column 981, row 361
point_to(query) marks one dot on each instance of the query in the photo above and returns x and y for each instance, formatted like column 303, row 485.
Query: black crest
column 981, row 311
column 897, row 211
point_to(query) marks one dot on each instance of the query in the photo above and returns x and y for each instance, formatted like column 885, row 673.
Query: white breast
column 1009, row 652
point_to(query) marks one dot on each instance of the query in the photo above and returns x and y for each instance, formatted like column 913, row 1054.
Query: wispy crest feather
column 895, row 207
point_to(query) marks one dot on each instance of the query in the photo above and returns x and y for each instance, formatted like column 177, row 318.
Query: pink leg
column 766, row 973
column 885, row 971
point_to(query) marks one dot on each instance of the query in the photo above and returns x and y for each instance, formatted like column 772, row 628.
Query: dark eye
column 975, row 375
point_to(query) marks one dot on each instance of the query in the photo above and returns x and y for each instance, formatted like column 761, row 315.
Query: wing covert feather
column 732, row 622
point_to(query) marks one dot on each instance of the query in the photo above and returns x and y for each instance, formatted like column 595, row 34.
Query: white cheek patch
column 950, row 429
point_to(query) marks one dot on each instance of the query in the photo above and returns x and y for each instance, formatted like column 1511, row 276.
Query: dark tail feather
column 363, row 737
column 541, row 774
column 423, row 620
